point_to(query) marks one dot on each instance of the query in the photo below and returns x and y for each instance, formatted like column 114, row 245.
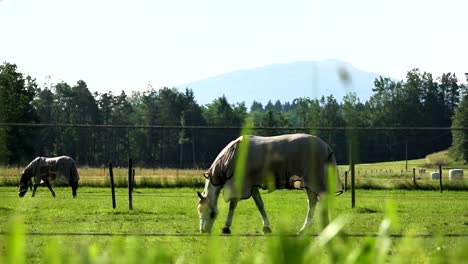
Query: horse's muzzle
column 22, row 193
column 205, row 231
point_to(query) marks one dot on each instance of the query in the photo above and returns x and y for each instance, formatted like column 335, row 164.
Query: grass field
column 426, row 227
column 382, row 175
column 99, row 177
column 164, row 222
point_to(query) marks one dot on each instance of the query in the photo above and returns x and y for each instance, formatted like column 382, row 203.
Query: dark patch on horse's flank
column 366, row 210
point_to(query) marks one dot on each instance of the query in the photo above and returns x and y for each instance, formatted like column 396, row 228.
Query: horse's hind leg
column 258, row 201
column 73, row 180
column 227, row 225
column 47, row 183
column 74, row 186
column 312, row 201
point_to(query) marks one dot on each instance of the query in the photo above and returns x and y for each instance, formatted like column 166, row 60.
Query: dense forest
column 167, row 128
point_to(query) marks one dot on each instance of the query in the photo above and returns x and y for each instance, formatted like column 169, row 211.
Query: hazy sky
column 123, row 45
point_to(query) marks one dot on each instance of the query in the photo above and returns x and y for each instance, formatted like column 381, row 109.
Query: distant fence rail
column 124, row 234
column 194, row 147
column 229, row 127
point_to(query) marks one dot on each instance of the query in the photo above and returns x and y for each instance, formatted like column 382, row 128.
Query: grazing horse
column 43, row 169
column 278, row 162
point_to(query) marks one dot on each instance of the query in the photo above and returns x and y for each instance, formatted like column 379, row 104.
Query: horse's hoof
column 226, row 230
column 266, row 230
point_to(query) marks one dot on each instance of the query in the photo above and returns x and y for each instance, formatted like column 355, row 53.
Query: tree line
column 420, row 100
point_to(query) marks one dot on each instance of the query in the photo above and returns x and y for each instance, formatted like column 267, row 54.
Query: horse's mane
column 29, row 172
column 222, row 162
column 32, row 167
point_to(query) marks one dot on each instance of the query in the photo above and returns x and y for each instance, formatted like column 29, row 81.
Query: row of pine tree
column 147, row 126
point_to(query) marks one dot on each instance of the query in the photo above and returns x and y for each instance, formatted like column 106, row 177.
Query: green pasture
column 164, row 224
column 423, row 226
column 382, row 175
column 385, row 175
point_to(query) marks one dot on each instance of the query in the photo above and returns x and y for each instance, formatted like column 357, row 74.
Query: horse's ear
column 200, row 195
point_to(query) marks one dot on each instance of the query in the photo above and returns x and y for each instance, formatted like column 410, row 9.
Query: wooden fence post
column 353, row 191
column 111, row 174
column 133, row 179
column 414, row 176
column 130, row 169
column 345, row 180
column 440, row 177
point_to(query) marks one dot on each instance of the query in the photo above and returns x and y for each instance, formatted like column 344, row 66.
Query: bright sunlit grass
column 172, row 211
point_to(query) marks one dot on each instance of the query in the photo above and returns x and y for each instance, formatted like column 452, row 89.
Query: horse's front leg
column 258, row 201
column 47, row 183
column 34, row 190
column 312, row 201
column 232, row 208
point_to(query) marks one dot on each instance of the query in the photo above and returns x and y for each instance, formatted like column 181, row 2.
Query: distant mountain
column 285, row 82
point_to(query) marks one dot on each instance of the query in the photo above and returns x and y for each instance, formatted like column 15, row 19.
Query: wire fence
column 175, row 162
column 177, row 155
column 123, row 234
column 158, row 146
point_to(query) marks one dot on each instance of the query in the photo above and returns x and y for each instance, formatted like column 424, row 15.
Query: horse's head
column 207, row 214
column 24, row 181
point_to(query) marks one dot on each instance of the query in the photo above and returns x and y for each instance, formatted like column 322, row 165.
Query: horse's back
column 60, row 160
column 64, row 168
column 288, row 144
column 282, row 160
column 293, row 153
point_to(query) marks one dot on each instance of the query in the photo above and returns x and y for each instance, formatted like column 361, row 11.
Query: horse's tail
column 74, row 173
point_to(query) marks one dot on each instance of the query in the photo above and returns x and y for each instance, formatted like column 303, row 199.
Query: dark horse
column 43, row 169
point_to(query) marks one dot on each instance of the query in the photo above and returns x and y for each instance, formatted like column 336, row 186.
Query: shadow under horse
column 43, row 169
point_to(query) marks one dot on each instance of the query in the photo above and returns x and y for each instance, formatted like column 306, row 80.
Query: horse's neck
column 212, row 193
column 25, row 177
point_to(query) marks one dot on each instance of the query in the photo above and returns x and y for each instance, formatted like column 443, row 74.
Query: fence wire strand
column 224, row 127
column 123, row 234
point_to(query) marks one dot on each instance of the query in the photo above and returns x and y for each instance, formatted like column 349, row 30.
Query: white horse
column 279, row 162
